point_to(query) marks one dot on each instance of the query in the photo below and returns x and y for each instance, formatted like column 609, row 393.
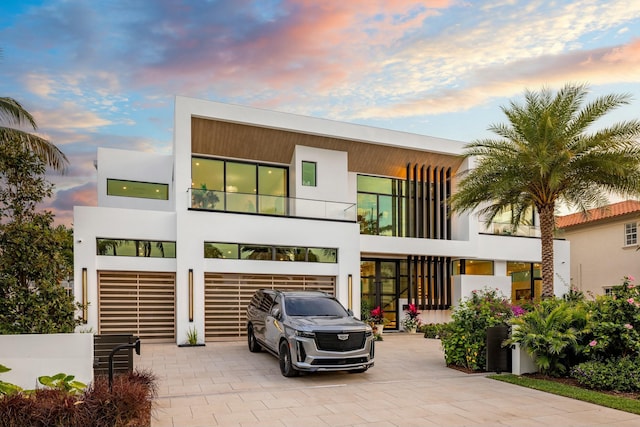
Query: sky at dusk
column 105, row 73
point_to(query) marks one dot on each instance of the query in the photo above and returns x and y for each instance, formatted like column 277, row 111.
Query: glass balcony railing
column 505, row 229
column 222, row 201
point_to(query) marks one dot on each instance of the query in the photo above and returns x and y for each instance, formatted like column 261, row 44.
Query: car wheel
column 286, row 368
column 254, row 347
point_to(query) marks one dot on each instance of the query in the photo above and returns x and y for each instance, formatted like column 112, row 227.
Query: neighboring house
column 604, row 245
column 252, row 198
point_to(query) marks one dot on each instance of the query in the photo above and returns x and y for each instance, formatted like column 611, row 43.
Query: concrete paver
column 223, row 384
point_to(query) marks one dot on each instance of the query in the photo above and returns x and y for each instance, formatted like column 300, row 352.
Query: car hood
column 319, row 323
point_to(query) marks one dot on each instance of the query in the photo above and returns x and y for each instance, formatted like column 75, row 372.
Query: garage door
column 227, row 297
column 138, row 303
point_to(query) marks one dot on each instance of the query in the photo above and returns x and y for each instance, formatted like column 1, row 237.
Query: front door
column 379, row 281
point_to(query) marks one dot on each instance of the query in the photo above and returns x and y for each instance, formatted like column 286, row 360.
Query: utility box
column 498, row 357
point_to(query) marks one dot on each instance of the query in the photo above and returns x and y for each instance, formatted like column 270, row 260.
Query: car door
column 273, row 327
column 263, row 306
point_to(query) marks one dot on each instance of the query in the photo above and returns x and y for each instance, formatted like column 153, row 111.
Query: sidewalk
column 223, row 384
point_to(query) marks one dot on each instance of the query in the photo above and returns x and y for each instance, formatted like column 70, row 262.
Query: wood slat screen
column 227, row 297
column 138, row 303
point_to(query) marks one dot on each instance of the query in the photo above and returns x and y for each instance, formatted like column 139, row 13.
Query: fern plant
column 550, row 334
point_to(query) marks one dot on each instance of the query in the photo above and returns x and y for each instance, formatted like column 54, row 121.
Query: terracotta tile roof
column 609, row 211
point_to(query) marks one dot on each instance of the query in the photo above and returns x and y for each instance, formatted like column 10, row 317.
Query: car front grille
column 339, row 362
column 331, row 341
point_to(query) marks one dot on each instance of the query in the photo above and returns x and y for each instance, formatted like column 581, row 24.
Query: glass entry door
column 379, row 283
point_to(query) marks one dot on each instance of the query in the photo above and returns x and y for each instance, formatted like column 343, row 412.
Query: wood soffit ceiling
column 241, row 141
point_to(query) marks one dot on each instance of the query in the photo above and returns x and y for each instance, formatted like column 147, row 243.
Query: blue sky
column 105, row 73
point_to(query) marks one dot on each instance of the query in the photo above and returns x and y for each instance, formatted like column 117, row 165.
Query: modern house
column 604, row 245
column 252, row 198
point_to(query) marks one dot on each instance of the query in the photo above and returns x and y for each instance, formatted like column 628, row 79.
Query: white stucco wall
column 30, row 356
column 90, row 223
column 134, row 166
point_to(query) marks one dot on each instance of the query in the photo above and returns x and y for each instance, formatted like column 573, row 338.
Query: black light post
column 135, row 345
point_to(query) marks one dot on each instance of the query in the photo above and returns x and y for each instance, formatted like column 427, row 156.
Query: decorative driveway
column 223, row 384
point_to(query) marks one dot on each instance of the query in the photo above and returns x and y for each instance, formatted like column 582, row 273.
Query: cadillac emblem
column 343, row 337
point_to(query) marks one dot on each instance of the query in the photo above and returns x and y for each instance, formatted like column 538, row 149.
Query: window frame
column 630, row 236
column 114, row 181
column 308, row 163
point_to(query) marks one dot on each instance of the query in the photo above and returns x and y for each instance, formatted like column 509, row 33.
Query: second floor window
column 141, row 190
column 309, row 174
column 238, row 187
column 631, row 234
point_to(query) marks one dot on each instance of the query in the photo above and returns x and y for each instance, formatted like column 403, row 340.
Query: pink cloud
column 316, row 47
column 596, row 67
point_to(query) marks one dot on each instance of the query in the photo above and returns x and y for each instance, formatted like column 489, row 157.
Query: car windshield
column 314, row 307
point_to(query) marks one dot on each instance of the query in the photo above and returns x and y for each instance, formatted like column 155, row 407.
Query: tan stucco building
column 604, row 245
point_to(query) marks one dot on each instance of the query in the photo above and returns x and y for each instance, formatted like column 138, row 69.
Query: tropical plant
column 376, row 316
column 63, row 382
column 12, row 115
column 545, row 155
column 5, row 387
column 550, row 334
column 411, row 319
column 465, row 341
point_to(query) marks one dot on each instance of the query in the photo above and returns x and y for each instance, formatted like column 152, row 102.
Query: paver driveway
column 223, row 384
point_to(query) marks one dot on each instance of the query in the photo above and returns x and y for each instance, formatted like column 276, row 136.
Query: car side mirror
column 276, row 313
column 350, row 312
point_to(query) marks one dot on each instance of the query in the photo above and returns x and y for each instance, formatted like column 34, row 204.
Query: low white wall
column 35, row 355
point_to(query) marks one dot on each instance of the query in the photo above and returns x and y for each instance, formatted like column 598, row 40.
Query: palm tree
column 546, row 156
column 13, row 114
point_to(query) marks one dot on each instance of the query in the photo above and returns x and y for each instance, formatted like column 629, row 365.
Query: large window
column 138, row 248
column 238, row 186
column 270, row 253
column 631, row 234
column 526, row 280
column 381, row 206
column 143, row 190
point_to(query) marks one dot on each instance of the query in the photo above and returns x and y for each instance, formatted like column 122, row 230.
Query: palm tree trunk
column 547, row 224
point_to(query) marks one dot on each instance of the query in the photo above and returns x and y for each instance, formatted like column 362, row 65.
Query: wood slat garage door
column 138, row 303
column 227, row 297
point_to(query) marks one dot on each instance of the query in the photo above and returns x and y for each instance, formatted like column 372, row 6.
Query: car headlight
column 305, row 334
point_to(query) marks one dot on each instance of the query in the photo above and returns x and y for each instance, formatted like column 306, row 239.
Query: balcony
column 259, row 204
column 505, row 229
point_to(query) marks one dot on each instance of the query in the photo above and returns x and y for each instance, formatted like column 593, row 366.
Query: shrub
column 616, row 374
column 550, row 334
column 435, row 330
column 127, row 404
column 612, row 330
column 465, row 344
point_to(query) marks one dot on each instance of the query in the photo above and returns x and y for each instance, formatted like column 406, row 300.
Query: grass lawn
column 603, row 399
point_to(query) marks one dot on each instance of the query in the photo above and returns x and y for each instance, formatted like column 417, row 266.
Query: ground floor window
column 388, row 283
column 526, row 280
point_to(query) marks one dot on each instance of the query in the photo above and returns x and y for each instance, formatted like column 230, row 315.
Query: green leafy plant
column 614, row 320
column 465, row 343
column 7, row 388
column 192, row 336
column 616, row 374
column 35, row 257
column 62, row 382
column 550, row 334
column 435, row 330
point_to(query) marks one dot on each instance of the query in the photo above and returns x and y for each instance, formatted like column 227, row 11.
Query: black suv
column 308, row 331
